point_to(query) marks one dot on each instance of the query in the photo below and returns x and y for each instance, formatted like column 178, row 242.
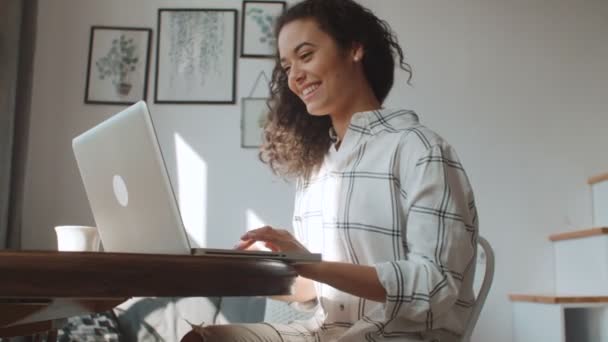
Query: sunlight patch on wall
column 192, row 197
column 254, row 221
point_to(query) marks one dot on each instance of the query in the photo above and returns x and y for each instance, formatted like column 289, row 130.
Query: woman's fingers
column 275, row 239
column 244, row 244
column 258, row 231
column 268, row 233
column 252, row 236
column 272, row 246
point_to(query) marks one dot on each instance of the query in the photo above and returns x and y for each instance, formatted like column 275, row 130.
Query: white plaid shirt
column 395, row 197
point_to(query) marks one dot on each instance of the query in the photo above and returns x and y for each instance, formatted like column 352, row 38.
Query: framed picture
column 117, row 70
column 259, row 18
column 196, row 56
column 253, row 117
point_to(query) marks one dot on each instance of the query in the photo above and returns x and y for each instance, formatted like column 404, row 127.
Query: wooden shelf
column 599, row 178
column 553, row 299
column 558, row 317
column 579, row 234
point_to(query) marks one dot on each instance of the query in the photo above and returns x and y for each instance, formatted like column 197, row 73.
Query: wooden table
column 38, row 287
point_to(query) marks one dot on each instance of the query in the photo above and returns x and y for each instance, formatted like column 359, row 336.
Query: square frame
column 257, row 25
column 196, row 56
column 253, row 114
column 116, row 71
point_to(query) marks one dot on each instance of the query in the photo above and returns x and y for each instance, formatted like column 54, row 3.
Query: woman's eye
column 286, row 70
column 306, row 55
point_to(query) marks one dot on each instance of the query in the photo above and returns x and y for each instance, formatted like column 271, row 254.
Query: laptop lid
column 130, row 193
column 128, row 187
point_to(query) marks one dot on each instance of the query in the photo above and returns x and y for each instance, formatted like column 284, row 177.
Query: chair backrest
column 483, row 290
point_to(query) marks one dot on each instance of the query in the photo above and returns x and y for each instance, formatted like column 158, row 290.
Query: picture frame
column 196, row 56
column 258, row 20
column 117, row 67
column 253, row 117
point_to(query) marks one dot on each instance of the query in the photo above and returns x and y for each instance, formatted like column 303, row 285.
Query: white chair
column 483, row 290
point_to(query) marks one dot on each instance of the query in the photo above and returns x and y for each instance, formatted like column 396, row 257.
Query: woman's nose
column 296, row 74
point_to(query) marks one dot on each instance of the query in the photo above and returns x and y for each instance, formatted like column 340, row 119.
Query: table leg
column 52, row 336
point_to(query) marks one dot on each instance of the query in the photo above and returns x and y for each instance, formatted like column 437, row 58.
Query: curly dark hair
column 296, row 142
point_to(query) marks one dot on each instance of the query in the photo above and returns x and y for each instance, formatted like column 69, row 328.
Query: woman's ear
column 357, row 52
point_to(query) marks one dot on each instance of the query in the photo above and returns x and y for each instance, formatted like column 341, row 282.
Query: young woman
column 383, row 198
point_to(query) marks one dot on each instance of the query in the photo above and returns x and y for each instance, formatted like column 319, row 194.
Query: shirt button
column 341, row 307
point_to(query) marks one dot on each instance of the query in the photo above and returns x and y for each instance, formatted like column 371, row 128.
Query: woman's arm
column 358, row 280
column 303, row 291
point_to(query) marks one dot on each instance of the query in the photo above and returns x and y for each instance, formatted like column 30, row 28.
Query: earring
column 356, row 59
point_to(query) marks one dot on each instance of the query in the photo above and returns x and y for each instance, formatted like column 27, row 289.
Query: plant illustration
column 120, row 61
column 197, row 45
column 265, row 22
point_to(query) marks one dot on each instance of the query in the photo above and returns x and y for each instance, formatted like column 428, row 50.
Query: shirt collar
column 366, row 124
column 374, row 121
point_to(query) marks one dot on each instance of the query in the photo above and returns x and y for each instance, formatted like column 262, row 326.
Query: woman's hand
column 281, row 240
column 358, row 280
column 275, row 239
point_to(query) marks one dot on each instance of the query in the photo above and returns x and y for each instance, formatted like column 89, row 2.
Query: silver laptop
column 130, row 193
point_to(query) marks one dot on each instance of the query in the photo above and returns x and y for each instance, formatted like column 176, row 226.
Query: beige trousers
column 264, row 332
column 256, row 332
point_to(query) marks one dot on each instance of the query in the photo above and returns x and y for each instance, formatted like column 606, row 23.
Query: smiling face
column 326, row 78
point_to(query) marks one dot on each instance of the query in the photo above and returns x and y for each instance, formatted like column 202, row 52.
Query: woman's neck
column 341, row 121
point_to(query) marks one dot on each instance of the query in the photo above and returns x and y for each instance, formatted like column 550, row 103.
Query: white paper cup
column 77, row 239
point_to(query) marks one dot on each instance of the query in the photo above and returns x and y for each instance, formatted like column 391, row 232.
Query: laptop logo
column 120, row 190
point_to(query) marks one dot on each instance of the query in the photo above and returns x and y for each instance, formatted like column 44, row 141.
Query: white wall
column 519, row 87
column 234, row 179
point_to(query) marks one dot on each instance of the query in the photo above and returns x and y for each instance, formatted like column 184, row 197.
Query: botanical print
column 196, row 56
column 196, row 44
column 264, row 22
column 259, row 18
column 118, row 65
